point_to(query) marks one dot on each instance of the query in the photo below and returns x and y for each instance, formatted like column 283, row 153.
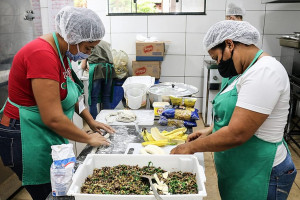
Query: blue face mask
column 78, row 56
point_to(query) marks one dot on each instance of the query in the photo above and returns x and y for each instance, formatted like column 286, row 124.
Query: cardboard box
column 150, row 51
column 184, row 163
column 143, row 68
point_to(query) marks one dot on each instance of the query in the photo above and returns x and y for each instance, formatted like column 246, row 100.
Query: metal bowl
column 162, row 92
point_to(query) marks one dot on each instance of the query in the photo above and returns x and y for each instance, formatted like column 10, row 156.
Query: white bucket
column 135, row 97
column 136, row 86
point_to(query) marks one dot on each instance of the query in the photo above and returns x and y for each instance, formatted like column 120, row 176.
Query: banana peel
column 174, row 137
column 176, row 141
column 149, row 136
column 162, row 143
column 175, row 131
column 159, row 143
column 157, row 135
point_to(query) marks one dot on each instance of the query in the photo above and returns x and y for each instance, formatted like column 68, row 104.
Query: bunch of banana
column 163, row 138
column 146, row 135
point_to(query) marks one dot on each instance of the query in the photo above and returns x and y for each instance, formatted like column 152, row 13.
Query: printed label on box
column 142, row 68
column 148, row 48
column 150, row 51
column 140, row 71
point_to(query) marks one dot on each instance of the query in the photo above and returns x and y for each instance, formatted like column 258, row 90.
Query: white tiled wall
column 184, row 57
column 177, row 62
column 167, row 24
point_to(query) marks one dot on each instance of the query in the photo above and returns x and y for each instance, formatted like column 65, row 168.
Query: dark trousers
column 105, row 88
column 11, row 155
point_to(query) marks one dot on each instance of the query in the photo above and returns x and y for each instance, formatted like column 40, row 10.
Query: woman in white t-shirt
column 250, row 114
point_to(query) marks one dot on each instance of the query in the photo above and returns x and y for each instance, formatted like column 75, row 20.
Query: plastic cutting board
column 144, row 117
column 136, row 148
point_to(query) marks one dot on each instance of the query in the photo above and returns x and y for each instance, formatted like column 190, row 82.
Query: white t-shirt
column 265, row 88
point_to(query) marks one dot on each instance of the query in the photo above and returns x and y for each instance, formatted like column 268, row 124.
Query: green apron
column 228, row 81
column 107, row 66
column 244, row 171
column 37, row 138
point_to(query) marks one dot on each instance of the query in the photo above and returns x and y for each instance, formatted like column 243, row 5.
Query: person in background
column 43, row 94
column 235, row 10
column 101, row 75
column 251, row 157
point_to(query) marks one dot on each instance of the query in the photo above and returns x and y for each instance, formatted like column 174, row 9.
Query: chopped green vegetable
column 126, row 180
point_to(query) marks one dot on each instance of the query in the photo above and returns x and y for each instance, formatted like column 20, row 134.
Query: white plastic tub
column 185, row 163
column 135, row 97
column 140, row 86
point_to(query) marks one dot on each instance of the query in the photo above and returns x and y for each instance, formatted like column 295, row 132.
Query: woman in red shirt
column 42, row 96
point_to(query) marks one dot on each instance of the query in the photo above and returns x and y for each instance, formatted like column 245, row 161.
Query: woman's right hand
column 200, row 134
column 96, row 140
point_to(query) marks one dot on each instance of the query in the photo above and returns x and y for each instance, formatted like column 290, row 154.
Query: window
column 156, row 7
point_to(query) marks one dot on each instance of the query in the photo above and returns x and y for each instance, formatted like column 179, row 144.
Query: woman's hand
column 96, row 139
column 97, row 126
column 84, row 65
column 200, row 134
column 182, row 149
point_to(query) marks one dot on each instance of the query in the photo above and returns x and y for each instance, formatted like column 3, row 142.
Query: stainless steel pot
column 162, row 92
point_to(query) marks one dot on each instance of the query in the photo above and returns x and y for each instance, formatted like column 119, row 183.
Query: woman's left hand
column 182, row 149
column 97, row 126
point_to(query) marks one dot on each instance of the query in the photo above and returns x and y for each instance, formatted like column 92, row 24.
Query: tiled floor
column 211, row 176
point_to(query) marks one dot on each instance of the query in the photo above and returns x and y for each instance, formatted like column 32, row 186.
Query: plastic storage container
column 141, row 86
column 159, row 107
column 185, row 163
column 135, row 97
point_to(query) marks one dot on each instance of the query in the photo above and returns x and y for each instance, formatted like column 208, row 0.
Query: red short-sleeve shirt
column 36, row 59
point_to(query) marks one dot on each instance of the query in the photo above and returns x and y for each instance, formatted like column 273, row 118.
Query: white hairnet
column 77, row 25
column 238, row 31
column 235, row 8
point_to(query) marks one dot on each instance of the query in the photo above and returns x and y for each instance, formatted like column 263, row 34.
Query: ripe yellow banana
column 157, row 135
column 159, row 143
column 144, row 135
column 183, row 129
column 149, row 136
column 163, row 138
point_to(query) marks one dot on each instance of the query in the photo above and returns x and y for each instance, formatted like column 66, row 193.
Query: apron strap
column 286, row 146
column 60, row 57
column 253, row 61
column 14, row 104
column 2, row 109
column 76, row 79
